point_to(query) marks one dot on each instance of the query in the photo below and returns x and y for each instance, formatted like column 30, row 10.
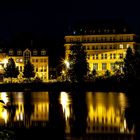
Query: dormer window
column 19, row 52
column 43, row 52
column 11, row 52
column 34, row 52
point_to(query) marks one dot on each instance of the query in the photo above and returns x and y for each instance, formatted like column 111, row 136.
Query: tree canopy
column 28, row 70
column 11, row 70
column 78, row 63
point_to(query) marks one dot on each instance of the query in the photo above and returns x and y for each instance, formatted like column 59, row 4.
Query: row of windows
column 104, row 66
column 100, row 39
column 43, row 69
column 20, row 60
column 19, row 52
column 106, row 56
column 105, row 47
column 39, row 60
column 99, row 31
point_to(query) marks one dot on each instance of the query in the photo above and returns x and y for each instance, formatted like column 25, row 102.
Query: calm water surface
column 68, row 115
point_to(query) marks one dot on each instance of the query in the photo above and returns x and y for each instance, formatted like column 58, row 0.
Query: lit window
column 19, row 52
column 127, row 46
column 121, row 46
column 17, row 60
column 34, row 52
column 95, row 66
column 43, row 52
column 112, row 66
column 88, row 56
column 104, row 66
column 11, row 52
column 20, row 60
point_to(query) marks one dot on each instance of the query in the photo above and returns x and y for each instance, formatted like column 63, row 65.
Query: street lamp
column 67, row 64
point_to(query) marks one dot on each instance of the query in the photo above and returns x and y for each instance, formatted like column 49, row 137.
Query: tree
column 129, row 69
column 11, row 70
column 78, row 64
column 28, row 70
column 107, row 74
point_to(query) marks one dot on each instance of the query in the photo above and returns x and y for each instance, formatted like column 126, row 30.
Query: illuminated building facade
column 105, row 43
column 38, row 57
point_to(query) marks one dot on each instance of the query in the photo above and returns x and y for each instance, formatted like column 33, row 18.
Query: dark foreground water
column 68, row 115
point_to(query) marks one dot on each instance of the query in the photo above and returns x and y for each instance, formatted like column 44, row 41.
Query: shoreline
column 65, row 86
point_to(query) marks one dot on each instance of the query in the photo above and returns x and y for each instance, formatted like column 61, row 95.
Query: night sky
column 50, row 19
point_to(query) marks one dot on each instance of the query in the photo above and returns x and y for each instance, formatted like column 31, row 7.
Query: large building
column 105, row 42
column 38, row 57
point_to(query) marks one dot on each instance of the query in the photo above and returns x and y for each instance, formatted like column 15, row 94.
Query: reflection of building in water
column 65, row 102
column 106, row 113
column 3, row 112
column 40, row 114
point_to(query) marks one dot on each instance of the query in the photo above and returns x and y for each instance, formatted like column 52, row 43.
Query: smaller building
column 38, row 57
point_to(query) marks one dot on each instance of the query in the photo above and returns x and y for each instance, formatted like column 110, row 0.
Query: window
column 87, row 47
column 33, row 60
column 111, row 56
column 105, row 56
column 36, row 60
column 121, row 46
column 121, row 55
column 45, row 60
column 104, row 66
column 96, row 56
column 41, row 60
column 17, row 60
column 114, row 56
column 43, row 52
column 93, row 47
column 34, row 52
column 88, row 56
column 36, row 69
column 93, row 57
column 95, row 66
column 11, row 52
column 19, row 52
column 26, row 56
column 110, row 47
column 20, row 68
column 20, row 60
column 112, row 66
column 102, row 56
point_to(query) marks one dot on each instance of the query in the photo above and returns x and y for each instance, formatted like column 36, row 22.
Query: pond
column 68, row 115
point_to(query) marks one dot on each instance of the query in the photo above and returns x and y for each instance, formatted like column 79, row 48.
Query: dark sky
column 53, row 17
column 50, row 18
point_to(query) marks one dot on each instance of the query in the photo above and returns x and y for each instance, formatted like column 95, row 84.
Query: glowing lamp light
column 67, row 63
column 5, row 61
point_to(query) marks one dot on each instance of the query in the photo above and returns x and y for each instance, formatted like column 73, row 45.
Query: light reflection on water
column 93, row 113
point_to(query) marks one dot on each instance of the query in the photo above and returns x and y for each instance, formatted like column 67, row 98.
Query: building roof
column 103, row 26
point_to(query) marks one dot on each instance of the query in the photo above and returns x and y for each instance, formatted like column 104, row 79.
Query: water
column 68, row 115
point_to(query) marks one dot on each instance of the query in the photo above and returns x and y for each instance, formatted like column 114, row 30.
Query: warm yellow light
column 5, row 61
column 64, row 100
column 3, row 96
column 67, row 63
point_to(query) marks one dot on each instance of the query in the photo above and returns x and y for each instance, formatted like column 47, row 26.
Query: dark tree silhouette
column 129, row 69
column 28, row 70
column 78, row 63
column 11, row 70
